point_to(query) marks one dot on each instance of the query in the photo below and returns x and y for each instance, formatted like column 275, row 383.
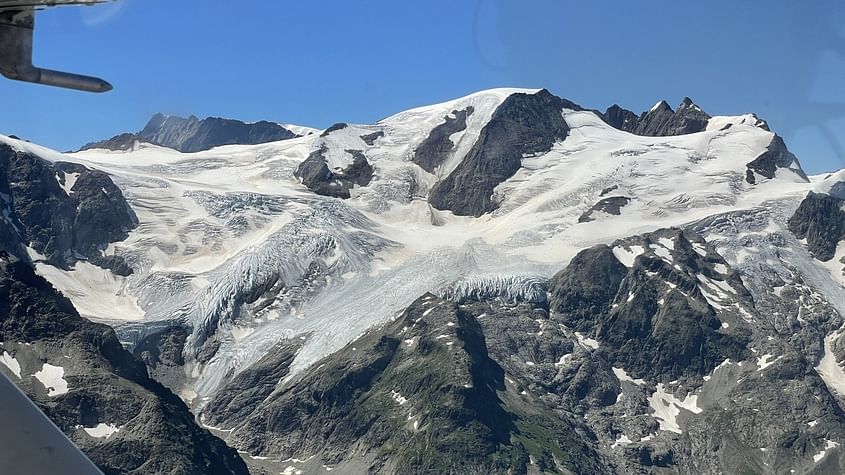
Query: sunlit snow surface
column 52, row 377
column 229, row 239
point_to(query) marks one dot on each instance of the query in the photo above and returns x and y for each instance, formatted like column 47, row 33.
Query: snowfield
column 229, row 239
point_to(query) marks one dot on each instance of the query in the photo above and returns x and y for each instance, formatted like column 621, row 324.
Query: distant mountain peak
column 192, row 134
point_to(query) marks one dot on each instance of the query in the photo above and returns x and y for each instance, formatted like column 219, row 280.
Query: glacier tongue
column 232, row 245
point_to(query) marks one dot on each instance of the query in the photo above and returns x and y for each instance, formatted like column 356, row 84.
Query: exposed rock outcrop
column 315, row 174
column 195, row 135
column 434, row 150
column 96, row 392
column 820, row 220
column 524, row 124
column 62, row 210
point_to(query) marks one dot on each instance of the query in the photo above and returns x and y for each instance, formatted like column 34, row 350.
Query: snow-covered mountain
column 629, row 293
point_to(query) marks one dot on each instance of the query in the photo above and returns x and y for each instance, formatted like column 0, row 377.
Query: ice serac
column 524, row 124
column 93, row 383
column 194, row 135
column 63, row 211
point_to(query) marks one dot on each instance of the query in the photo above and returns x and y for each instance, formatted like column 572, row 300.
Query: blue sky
column 316, row 63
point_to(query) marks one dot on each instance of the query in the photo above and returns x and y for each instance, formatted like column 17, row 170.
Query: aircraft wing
column 30, row 443
column 17, row 23
column 22, row 4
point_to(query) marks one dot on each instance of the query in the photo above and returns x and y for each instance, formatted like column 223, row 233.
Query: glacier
column 230, row 244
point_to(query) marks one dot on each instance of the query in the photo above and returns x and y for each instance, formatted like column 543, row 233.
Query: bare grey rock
column 315, row 174
column 523, row 124
column 611, row 205
column 435, row 149
column 64, row 221
column 821, row 221
column 99, row 384
column 776, row 156
column 195, row 135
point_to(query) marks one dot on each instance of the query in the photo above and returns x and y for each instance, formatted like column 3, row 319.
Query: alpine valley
column 506, row 283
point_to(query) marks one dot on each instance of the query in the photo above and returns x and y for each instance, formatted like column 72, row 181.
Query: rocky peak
column 660, row 120
column 637, row 294
column 192, row 134
column 777, row 156
column 63, row 211
column 661, row 107
column 523, row 124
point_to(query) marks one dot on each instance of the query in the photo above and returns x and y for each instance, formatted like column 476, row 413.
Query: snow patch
column 10, row 362
column 717, row 368
column 398, row 397
column 627, row 256
column 587, row 342
column 828, row 444
column 52, row 377
column 102, row 431
column 667, row 408
column 621, row 375
column 829, row 369
column 69, row 181
column 621, row 441
column 766, row 360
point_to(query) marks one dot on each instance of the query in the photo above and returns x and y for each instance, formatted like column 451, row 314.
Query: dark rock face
column 338, row 126
column 105, row 385
column 821, row 220
column 776, row 156
column 246, row 391
column 64, row 210
column 482, row 382
column 195, row 135
column 522, row 124
column 421, row 395
column 660, row 121
column 122, row 143
column 620, row 118
column 162, row 353
column 611, row 205
column 653, row 316
column 315, row 174
column 434, row 150
column 370, row 139
column 586, row 287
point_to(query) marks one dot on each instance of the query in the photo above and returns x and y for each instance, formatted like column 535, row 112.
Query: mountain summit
column 507, row 282
column 195, row 135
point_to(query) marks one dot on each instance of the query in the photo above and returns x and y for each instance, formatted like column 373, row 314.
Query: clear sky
column 320, row 62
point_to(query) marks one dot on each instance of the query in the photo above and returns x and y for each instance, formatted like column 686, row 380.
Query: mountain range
column 504, row 283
